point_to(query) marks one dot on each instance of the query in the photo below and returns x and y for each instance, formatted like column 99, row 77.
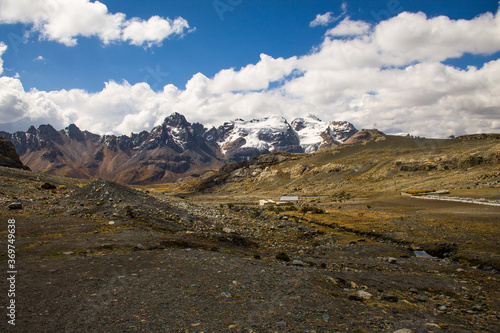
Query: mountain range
column 172, row 150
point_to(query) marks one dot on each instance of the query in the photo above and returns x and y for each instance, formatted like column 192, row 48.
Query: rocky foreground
column 102, row 257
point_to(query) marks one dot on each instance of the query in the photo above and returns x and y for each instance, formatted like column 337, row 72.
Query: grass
column 468, row 234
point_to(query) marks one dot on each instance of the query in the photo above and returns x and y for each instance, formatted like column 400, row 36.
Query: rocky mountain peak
column 172, row 148
column 315, row 134
column 176, row 120
column 48, row 133
column 74, row 133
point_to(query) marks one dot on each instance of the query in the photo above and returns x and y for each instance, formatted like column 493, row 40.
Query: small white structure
column 293, row 198
column 266, row 202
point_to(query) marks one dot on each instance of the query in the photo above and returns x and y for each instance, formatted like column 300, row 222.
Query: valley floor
column 101, row 257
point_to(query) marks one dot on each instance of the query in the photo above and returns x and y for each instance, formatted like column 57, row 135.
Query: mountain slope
column 172, row 149
column 378, row 163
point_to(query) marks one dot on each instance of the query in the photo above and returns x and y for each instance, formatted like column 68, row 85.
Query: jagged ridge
column 171, row 150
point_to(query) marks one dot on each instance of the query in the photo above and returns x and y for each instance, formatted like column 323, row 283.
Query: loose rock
column 298, row 263
column 364, row 294
column 16, row 205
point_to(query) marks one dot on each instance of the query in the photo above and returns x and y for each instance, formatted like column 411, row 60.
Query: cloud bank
column 64, row 20
column 390, row 76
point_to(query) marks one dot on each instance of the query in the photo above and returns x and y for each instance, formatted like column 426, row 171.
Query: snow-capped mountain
column 240, row 139
column 171, row 150
column 315, row 134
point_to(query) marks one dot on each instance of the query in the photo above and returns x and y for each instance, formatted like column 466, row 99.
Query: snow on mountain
column 171, row 149
column 240, row 139
column 256, row 132
column 314, row 133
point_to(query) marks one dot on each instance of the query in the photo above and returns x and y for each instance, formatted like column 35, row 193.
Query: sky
column 426, row 67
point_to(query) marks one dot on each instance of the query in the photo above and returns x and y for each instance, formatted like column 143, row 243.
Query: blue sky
column 232, row 34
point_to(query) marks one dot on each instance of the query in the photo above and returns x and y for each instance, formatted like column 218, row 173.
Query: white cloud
column 412, row 37
column 327, row 18
column 154, row 30
column 3, row 48
column 64, row 20
column 322, row 20
column 349, row 28
column 370, row 79
column 39, row 58
column 14, row 103
column 253, row 77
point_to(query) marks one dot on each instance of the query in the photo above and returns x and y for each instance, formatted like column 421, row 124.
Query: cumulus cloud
column 414, row 37
column 253, row 77
column 14, row 103
column 153, row 31
column 349, row 28
column 64, row 20
column 372, row 78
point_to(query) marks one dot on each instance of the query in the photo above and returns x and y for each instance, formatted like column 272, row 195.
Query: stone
column 297, row 262
column 420, row 298
column 48, row 186
column 16, row 205
column 392, row 260
column 432, row 325
column 139, row 247
column 68, row 253
column 442, row 308
column 228, row 230
column 364, row 294
column 477, row 307
column 403, row 330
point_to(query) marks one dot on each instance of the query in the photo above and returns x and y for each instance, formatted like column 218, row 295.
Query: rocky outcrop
column 364, row 134
column 234, row 171
column 8, row 156
column 447, row 162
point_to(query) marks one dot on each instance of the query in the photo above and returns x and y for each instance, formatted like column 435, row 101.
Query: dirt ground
column 105, row 258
